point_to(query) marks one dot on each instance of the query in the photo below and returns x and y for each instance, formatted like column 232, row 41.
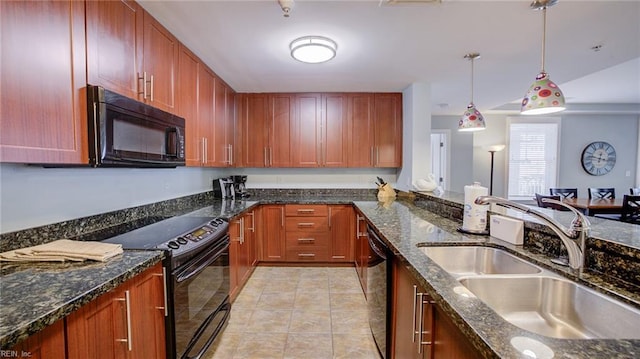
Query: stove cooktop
column 177, row 235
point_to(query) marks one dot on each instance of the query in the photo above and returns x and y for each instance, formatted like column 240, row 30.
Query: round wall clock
column 598, row 158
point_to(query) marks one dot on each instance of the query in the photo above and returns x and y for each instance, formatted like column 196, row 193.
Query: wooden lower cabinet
column 48, row 343
column 127, row 322
column 242, row 256
column 420, row 329
column 361, row 250
column 342, row 233
column 271, row 233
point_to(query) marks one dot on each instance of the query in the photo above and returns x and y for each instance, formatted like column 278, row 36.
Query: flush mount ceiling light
column 313, row 49
column 543, row 96
column 472, row 120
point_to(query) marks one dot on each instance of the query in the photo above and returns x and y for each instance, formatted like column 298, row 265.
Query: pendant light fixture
column 543, row 96
column 472, row 119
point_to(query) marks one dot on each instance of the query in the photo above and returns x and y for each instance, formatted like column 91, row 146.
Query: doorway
column 439, row 161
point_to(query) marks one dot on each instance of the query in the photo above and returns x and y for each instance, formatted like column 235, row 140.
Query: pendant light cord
column 472, row 58
column 544, row 33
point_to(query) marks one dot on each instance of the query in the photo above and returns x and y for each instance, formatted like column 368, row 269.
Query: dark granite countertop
column 404, row 226
column 35, row 295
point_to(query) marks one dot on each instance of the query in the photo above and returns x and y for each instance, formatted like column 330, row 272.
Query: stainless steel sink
column 475, row 260
column 555, row 307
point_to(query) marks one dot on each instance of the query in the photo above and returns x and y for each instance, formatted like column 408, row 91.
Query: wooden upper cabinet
column 253, row 118
column 160, row 61
column 360, row 122
column 188, row 105
column 114, row 45
column 280, row 152
column 43, row 66
column 223, row 127
column 231, row 125
column 388, row 129
column 307, row 134
column 334, row 146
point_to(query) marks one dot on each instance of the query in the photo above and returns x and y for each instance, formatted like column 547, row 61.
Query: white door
column 439, row 167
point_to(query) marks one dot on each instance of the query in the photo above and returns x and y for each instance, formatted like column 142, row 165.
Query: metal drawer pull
column 306, row 239
column 306, row 210
column 305, row 224
column 164, row 286
column 306, row 255
column 127, row 300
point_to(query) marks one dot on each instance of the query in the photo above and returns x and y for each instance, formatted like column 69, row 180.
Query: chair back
column 564, row 192
column 602, row 193
column 542, row 204
column 631, row 209
column 635, row 191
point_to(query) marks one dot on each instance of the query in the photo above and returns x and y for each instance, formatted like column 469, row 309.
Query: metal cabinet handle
column 358, row 219
column 270, row 156
column 242, row 230
column 253, row 221
column 230, row 154
column 144, row 85
column 306, row 255
column 413, row 321
column 329, row 216
column 265, row 157
column 282, row 216
column 164, row 286
column 306, row 210
column 151, row 88
column 311, row 240
column 305, row 224
column 127, row 300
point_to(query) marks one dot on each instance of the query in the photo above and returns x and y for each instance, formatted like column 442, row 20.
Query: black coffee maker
column 224, row 188
column 239, row 186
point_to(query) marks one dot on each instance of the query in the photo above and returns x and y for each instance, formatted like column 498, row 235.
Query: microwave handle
column 173, row 140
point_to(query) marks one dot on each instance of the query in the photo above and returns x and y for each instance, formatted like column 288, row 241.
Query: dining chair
column 602, row 193
column 635, row 191
column 630, row 209
column 542, row 204
column 564, row 192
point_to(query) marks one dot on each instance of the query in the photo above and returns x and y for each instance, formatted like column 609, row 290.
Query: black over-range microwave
column 128, row 133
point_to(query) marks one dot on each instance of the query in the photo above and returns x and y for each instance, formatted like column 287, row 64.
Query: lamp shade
column 543, row 97
column 313, row 49
column 472, row 120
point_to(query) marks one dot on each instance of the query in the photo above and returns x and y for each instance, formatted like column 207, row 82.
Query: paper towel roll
column 475, row 215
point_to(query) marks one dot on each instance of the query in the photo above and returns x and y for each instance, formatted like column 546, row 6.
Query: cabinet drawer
column 302, row 240
column 307, row 210
column 307, row 224
column 311, row 254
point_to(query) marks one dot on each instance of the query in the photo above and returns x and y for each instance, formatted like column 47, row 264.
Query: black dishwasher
column 379, row 291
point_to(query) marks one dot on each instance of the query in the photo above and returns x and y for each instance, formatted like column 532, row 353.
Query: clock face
column 598, row 158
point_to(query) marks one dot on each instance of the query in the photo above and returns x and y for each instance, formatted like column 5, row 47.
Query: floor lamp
column 492, row 150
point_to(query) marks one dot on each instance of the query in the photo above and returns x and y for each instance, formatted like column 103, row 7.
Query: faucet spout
column 573, row 238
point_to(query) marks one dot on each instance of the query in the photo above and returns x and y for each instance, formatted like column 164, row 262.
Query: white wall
column 461, row 154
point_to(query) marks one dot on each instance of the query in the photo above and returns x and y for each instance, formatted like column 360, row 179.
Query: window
column 533, row 153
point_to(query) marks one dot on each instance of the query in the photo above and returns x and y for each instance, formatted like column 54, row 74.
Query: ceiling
column 384, row 47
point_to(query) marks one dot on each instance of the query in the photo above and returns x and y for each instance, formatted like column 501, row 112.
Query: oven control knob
column 173, row 245
column 181, row 240
column 214, row 223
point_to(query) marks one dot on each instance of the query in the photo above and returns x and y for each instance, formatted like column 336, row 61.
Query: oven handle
column 226, row 308
column 200, row 265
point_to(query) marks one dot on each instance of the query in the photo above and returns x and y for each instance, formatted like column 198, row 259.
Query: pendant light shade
column 544, row 96
column 472, row 119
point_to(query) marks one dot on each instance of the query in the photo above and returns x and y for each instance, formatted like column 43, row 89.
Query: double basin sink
column 536, row 299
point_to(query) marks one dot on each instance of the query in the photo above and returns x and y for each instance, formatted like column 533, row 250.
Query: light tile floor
column 298, row 313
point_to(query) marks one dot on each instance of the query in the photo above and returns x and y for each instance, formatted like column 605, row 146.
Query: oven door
column 201, row 300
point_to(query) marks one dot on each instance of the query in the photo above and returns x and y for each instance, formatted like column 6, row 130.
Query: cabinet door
column 272, row 233
column 449, row 340
column 43, row 66
column 188, row 106
column 342, row 227
column 307, row 133
column 220, row 151
column 388, row 130
column 160, row 61
column 231, row 125
column 253, row 115
column 114, row 45
column 281, row 124
column 99, row 329
column 361, row 144
column 148, row 303
column 48, row 343
column 335, row 131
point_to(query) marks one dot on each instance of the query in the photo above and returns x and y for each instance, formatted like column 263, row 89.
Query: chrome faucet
column 573, row 238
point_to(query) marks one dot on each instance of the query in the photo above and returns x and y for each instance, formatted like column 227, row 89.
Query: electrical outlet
column 627, row 174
